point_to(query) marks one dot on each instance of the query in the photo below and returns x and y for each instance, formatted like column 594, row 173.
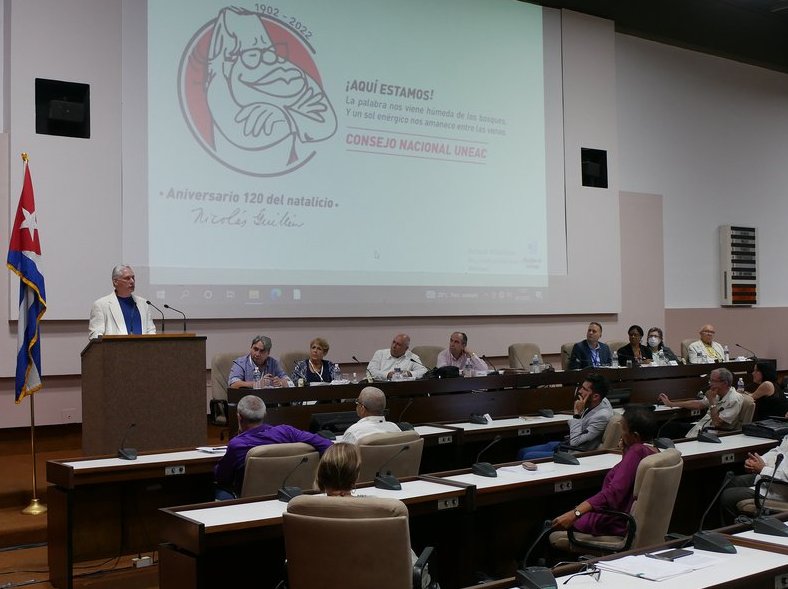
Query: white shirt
column 728, row 407
column 777, row 492
column 366, row 426
column 446, row 359
column 383, row 362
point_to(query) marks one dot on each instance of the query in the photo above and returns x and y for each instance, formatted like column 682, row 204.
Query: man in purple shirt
column 229, row 471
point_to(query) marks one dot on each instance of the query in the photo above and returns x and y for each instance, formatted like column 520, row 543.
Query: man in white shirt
column 458, row 354
column 385, row 362
column 705, row 347
column 370, row 408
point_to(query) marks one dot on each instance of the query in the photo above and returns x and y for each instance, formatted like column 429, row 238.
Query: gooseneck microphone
column 663, row 442
column 160, row 312
column 754, row 355
column 486, row 359
column 714, row 541
column 286, row 493
column 366, row 368
column 387, row 480
column 766, row 524
column 535, row 577
column 124, row 452
column 166, row 306
column 485, row 469
column 404, row 425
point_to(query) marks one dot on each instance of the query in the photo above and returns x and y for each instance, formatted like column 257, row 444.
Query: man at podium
column 120, row 312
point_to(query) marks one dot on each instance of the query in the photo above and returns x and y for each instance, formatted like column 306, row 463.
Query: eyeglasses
column 359, row 404
column 591, row 570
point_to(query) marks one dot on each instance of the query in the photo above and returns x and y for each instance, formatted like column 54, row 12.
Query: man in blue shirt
column 258, row 367
column 590, row 352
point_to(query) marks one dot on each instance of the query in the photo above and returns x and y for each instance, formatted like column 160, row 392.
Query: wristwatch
column 577, row 513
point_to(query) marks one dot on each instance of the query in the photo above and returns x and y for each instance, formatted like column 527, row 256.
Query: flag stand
column 35, row 507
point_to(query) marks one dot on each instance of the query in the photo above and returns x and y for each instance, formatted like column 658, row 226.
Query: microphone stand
column 166, row 306
column 766, row 524
column 485, row 469
column 160, row 312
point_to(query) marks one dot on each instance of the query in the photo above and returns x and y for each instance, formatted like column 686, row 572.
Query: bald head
column 373, row 400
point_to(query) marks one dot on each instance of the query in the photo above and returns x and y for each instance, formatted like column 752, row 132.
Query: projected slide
column 346, row 157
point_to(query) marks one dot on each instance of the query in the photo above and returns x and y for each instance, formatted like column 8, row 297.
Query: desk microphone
column 486, row 359
column 387, row 480
column 369, row 374
column 160, row 312
column 429, row 370
column 166, row 306
column 714, row 541
column 766, row 524
column 535, row 577
column 485, row 469
column 286, row 493
column 404, row 425
column 124, row 452
column 663, row 442
column 706, row 436
column 754, row 355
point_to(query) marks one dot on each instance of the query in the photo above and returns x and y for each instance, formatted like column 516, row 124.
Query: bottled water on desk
column 397, row 374
column 614, row 363
column 337, row 372
column 726, row 354
column 661, row 358
column 535, row 368
column 467, row 372
column 257, row 376
column 740, row 385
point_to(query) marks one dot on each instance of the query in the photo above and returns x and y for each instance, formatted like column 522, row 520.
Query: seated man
column 252, row 431
column 705, row 349
column 592, row 412
column 258, row 369
column 723, row 402
column 385, row 362
column 458, row 354
column 742, row 486
column 370, row 408
column 590, row 352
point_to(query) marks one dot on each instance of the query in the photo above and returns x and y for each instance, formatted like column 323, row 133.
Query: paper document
column 657, row 570
column 213, row 449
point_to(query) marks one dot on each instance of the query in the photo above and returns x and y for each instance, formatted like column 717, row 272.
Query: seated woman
column 770, row 401
column 634, row 351
column 638, row 428
column 656, row 345
column 315, row 368
column 337, row 471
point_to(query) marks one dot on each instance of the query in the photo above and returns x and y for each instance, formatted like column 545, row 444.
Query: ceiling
column 750, row 31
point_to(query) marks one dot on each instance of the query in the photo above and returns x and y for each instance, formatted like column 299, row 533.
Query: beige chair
column 751, row 507
column 747, row 410
column 685, row 344
column 656, row 485
column 288, row 360
column 520, row 355
column 428, row 354
column 382, row 449
column 612, row 434
column 615, row 345
column 268, row 466
column 349, row 543
column 566, row 353
column 220, row 373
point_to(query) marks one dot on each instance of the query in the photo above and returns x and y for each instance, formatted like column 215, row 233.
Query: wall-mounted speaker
column 62, row 108
column 593, row 165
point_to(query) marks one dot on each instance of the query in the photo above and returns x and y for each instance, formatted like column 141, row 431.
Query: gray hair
column 373, row 400
column 263, row 339
column 118, row 270
column 251, row 408
column 725, row 375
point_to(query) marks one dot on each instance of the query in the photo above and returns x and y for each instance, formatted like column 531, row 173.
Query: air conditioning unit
column 739, row 265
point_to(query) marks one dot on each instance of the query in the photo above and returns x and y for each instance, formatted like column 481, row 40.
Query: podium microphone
column 286, row 493
column 124, row 452
column 369, row 374
column 166, row 306
column 766, row 524
column 485, row 469
column 160, row 312
column 714, row 541
column 387, row 480
column 754, row 355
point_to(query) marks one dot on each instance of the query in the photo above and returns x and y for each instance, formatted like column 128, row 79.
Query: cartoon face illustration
column 248, row 101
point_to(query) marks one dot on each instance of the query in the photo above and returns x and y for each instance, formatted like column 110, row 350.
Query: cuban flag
column 24, row 255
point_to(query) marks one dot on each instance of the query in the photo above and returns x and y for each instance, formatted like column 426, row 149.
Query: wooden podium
column 156, row 382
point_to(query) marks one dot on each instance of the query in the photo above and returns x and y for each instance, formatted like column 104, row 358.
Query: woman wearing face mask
column 655, row 344
column 634, row 351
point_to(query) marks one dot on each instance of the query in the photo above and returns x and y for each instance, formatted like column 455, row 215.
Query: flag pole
column 35, row 507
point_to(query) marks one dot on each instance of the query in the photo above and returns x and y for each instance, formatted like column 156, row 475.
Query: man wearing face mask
column 592, row 411
column 656, row 345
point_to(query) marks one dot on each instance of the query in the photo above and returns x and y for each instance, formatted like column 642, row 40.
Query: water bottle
column 337, row 372
column 397, row 374
column 740, row 385
column 726, row 354
column 614, row 363
column 535, row 364
column 468, row 370
column 257, row 376
column 661, row 358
